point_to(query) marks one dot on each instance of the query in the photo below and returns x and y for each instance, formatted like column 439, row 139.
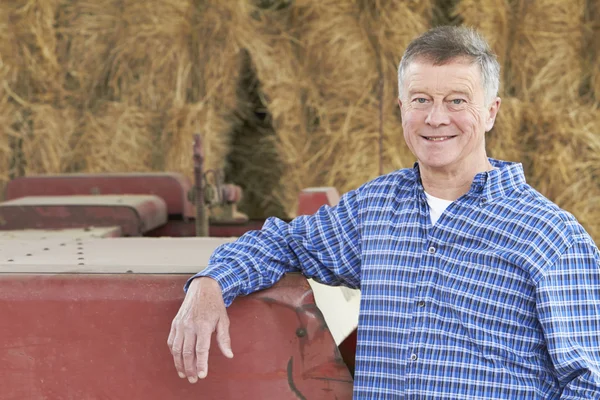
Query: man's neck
column 451, row 184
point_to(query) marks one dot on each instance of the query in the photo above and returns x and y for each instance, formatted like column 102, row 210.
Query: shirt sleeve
column 569, row 312
column 324, row 246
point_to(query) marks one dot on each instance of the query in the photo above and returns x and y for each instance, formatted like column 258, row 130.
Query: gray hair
column 445, row 43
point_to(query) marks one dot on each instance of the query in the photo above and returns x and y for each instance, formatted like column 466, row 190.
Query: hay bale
column 546, row 55
column 88, row 31
column 116, row 137
column 150, row 63
column 45, row 134
column 566, row 159
column 32, row 53
column 594, row 46
column 178, row 134
column 505, row 140
column 390, row 40
column 273, row 48
column 492, row 19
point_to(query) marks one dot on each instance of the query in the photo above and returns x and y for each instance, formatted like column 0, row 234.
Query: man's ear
column 492, row 112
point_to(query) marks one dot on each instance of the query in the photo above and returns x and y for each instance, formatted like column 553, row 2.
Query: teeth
column 437, row 139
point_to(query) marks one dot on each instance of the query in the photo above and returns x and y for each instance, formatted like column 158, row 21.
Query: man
column 473, row 285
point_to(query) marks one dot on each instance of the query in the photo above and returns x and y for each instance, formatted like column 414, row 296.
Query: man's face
column 444, row 114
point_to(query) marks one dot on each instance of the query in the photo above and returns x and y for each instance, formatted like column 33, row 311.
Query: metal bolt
column 300, row 332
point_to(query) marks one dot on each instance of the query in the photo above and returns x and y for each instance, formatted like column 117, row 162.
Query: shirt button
column 431, row 250
column 421, row 303
column 413, row 357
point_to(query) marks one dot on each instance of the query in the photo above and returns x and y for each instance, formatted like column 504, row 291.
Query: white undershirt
column 436, row 207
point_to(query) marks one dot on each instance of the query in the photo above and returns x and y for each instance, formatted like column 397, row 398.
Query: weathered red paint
column 173, row 188
column 311, row 199
column 134, row 214
column 73, row 337
column 178, row 228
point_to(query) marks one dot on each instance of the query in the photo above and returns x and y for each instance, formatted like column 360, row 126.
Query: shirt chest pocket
column 495, row 307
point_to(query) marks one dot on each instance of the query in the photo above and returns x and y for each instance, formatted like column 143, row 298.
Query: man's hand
column 202, row 312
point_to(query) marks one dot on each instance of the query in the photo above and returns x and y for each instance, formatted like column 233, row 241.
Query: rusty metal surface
column 135, row 214
column 102, row 256
column 50, row 234
column 74, row 337
column 173, row 188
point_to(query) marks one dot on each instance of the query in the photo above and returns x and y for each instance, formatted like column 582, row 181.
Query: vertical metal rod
column 201, row 217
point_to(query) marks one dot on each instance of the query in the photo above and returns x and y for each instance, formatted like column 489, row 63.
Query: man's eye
column 458, row 101
column 421, row 100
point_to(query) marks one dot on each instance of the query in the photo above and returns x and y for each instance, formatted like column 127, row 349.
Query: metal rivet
column 431, row 250
column 421, row 303
column 413, row 357
column 300, row 332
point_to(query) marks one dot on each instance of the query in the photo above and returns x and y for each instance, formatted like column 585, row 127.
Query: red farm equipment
column 92, row 268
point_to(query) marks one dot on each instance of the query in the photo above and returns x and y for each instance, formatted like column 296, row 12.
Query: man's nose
column 437, row 116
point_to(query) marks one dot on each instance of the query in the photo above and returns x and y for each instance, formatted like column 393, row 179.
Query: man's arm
column 324, row 246
column 569, row 311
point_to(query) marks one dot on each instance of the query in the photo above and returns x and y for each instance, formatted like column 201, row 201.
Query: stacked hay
column 594, row 42
column 33, row 59
column 208, row 102
column 116, row 137
column 267, row 36
column 88, row 31
column 566, row 163
column 45, row 133
column 506, row 140
column 390, row 38
column 492, row 19
column 547, row 50
column 253, row 161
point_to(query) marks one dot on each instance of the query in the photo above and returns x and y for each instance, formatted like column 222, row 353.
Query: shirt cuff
column 227, row 279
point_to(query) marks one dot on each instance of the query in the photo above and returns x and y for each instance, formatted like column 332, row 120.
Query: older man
column 474, row 286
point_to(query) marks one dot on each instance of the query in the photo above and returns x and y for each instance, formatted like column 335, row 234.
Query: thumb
column 223, row 338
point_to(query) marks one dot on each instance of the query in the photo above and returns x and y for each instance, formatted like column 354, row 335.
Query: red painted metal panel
column 311, row 199
column 74, row 337
column 173, row 188
column 134, row 214
column 178, row 228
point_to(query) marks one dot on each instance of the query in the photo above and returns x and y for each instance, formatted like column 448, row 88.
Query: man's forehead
column 461, row 70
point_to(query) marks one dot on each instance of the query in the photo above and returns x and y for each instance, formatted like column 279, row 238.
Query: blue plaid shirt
column 499, row 300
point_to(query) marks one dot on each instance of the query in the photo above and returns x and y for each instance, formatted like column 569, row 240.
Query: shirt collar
column 491, row 185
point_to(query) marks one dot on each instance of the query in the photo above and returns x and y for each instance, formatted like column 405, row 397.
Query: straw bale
column 273, row 48
column 117, row 137
column 32, row 53
column 46, row 133
column 392, row 37
column 253, row 161
column 566, row 160
column 490, row 17
column 150, row 63
column 546, row 56
column 8, row 136
column 505, row 140
column 88, row 31
column 178, row 135
column 594, row 39
column 343, row 66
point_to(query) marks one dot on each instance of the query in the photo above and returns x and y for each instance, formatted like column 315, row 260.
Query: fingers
column 202, row 351
column 223, row 338
column 176, row 345
column 189, row 355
